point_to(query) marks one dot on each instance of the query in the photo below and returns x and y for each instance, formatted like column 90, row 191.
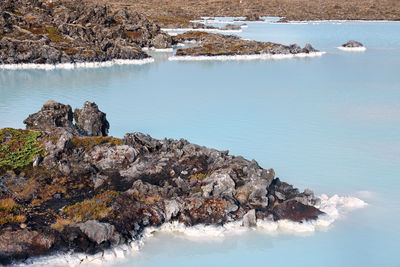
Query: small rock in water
column 353, row 43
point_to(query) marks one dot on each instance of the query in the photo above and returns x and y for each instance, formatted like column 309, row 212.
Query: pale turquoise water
column 330, row 123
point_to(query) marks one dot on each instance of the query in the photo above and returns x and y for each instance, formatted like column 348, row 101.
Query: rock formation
column 228, row 45
column 352, row 44
column 62, row 189
column 253, row 17
column 51, row 32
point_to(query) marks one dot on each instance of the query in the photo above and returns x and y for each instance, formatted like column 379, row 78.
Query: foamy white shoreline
column 245, row 57
column 334, row 207
column 352, row 49
column 77, row 65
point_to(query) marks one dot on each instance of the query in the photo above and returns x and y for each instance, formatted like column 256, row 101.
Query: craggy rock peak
column 227, row 45
column 63, row 192
column 90, row 121
column 42, row 31
column 353, row 43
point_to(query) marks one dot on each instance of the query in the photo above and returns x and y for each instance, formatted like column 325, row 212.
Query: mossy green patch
column 98, row 207
column 18, row 148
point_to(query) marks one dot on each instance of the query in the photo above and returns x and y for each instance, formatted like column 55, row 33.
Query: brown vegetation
column 179, row 12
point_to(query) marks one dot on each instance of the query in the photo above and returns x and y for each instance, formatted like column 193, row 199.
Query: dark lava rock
column 230, row 45
column 90, row 121
column 352, row 43
column 89, row 193
column 73, row 31
column 295, row 211
column 52, row 115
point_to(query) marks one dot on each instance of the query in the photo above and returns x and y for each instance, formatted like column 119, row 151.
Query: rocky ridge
column 229, row 45
column 43, row 31
column 74, row 191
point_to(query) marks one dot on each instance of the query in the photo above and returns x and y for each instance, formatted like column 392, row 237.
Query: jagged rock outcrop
column 352, row 44
column 90, row 121
column 229, row 45
column 53, row 32
column 52, row 115
column 88, row 193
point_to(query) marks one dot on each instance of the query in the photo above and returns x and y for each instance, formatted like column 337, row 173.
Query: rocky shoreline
column 47, row 32
column 212, row 45
column 180, row 13
column 67, row 186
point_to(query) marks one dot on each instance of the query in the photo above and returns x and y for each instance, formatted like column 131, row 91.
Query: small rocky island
column 352, row 45
column 67, row 186
column 230, row 45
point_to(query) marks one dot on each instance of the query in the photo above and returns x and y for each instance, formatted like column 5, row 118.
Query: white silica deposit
column 334, row 208
column 352, row 49
column 246, row 57
column 77, row 65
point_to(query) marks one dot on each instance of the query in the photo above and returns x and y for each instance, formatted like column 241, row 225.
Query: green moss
column 18, row 148
column 98, row 207
column 90, row 142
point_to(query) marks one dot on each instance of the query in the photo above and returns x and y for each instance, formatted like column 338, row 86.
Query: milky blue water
column 330, row 123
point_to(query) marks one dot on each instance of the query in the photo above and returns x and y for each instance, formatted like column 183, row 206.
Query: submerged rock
column 89, row 193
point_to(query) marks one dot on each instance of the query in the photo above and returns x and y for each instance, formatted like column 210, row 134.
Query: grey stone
column 249, row 219
column 280, row 196
column 353, row 43
column 105, row 158
column 96, row 231
column 172, row 208
column 90, row 121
